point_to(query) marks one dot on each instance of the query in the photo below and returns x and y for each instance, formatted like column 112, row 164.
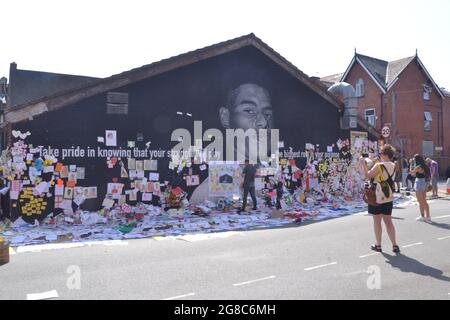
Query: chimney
column 12, row 78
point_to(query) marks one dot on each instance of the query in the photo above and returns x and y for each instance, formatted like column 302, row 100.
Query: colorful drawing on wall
column 224, row 179
column 359, row 143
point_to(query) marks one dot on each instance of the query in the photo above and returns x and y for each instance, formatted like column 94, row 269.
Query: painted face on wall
column 249, row 107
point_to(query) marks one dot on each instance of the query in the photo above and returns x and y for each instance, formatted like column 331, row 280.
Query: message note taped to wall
column 111, row 138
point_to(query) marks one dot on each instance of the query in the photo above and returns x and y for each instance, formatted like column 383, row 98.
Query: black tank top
column 421, row 175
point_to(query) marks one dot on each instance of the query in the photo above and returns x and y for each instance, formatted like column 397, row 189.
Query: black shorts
column 385, row 209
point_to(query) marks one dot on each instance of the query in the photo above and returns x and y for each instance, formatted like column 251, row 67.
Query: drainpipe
column 349, row 119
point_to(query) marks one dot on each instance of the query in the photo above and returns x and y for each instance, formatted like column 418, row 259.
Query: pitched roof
column 27, row 85
column 394, row 68
column 96, row 86
column 376, row 67
column 332, row 79
column 70, row 96
column 386, row 73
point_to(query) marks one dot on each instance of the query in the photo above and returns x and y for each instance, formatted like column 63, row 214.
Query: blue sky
column 101, row 38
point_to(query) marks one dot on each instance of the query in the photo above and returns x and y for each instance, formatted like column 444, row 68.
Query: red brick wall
column 411, row 106
column 372, row 93
column 446, row 118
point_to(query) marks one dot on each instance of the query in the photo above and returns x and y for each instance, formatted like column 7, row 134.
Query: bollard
column 448, row 186
column 4, row 252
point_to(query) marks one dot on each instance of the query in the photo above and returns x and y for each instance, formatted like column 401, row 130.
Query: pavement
column 325, row 260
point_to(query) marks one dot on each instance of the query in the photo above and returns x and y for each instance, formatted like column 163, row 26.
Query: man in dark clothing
column 249, row 173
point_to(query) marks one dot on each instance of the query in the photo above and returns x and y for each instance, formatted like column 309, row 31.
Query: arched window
column 359, row 87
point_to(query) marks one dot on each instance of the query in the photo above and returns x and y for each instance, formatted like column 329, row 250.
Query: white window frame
column 427, row 120
column 359, row 87
column 426, row 92
column 371, row 116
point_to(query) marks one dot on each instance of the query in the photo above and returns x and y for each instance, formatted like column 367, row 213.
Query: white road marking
column 54, row 246
column 412, row 244
column 444, row 238
column 370, row 254
column 50, row 246
column 207, row 236
column 321, row 266
column 251, row 281
column 182, row 296
column 42, row 295
column 440, row 217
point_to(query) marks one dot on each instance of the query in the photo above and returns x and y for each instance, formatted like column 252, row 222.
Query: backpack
column 384, row 189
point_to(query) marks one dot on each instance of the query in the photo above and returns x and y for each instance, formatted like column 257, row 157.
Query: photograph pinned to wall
column 72, row 177
column 68, row 193
column 140, row 174
column 122, row 199
column 203, row 167
column 147, row 165
column 147, row 197
column 137, row 185
column 49, row 169
column 85, row 192
column 133, row 174
column 153, row 165
column 78, row 192
column 154, row 176
column 131, row 144
column 111, row 138
column 150, row 187
column 193, row 180
column 133, row 195
column 115, row 189
column 101, row 139
column 81, row 171
column 131, row 164
column 59, row 190
column 92, row 193
column 58, row 167
column 139, row 165
column 72, row 168
column 64, row 173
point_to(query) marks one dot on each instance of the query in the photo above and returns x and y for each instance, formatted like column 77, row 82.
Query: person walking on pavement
column 422, row 173
column 381, row 172
column 249, row 173
column 434, row 171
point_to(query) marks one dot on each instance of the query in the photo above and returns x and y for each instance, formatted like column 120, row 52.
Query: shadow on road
column 407, row 264
column 440, row 225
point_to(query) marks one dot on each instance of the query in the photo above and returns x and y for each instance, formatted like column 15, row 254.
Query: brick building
column 403, row 95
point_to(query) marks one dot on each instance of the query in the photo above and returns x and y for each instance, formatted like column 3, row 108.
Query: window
column 426, row 92
column 117, row 103
column 370, row 116
column 427, row 148
column 427, row 121
column 359, row 87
